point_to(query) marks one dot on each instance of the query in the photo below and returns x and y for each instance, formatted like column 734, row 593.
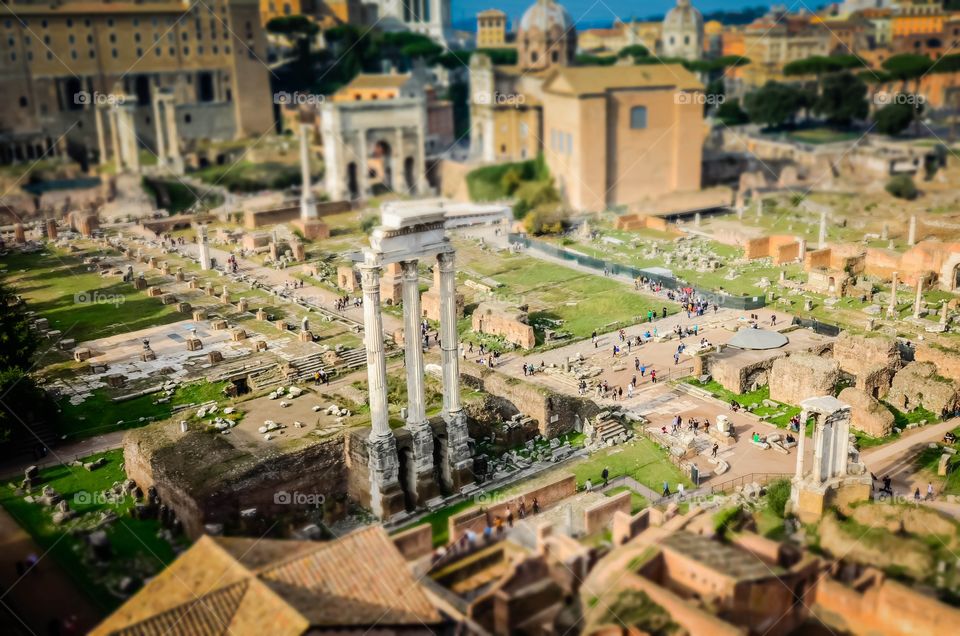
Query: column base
column 386, row 496
column 312, row 229
column 457, row 470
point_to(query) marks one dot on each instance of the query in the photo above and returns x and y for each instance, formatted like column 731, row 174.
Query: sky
column 589, row 13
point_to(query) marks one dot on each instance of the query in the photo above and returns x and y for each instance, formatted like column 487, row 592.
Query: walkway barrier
column 822, row 328
column 761, row 478
column 619, row 269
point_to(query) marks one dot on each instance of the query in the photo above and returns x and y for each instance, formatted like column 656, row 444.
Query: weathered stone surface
column 861, row 354
column 947, row 362
column 919, row 384
column 507, row 321
column 803, row 376
column 868, row 414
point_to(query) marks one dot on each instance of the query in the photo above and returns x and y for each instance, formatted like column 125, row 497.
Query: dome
column 757, row 339
column 683, row 17
column 545, row 14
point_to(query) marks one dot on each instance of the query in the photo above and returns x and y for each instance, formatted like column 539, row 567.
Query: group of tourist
column 342, row 303
column 496, row 525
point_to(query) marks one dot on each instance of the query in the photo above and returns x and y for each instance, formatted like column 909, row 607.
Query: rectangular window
column 638, row 117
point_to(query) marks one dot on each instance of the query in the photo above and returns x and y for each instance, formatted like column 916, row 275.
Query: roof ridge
column 320, row 547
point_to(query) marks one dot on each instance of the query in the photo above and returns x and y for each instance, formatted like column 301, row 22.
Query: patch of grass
column 779, row 416
column 641, row 459
column 99, row 413
column 246, row 176
column 80, row 303
column 136, row 548
column 637, row 501
column 901, row 419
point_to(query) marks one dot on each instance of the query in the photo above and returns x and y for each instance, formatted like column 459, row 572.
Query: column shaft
column 448, row 334
column 101, row 142
column 376, row 362
column 416, row 408
column 115, row 138
column 363, row 171
column 158, row 122
column 308, row 206
column 801, row 443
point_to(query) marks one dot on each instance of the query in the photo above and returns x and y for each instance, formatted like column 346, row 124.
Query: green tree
column 585, row 59
column 774, row 104
column 843, row 99
column 635, row 51
column 293, row 26
column 902, row 187
column 893, row 119
column 731, row 114
column 18, row 342
column 23, row 404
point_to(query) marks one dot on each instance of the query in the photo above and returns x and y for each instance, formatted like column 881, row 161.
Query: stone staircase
column 609, row 430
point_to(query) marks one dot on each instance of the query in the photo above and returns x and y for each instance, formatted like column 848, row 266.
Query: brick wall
column 600, row 515
column 476, row 518
column 415, row 542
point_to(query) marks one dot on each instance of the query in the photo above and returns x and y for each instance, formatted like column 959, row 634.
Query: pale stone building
column 682, row 33
column 63, row 60
column 427, row 17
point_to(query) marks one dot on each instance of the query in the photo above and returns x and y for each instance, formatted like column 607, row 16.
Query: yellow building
column 491, row 29
column 917, row 16
column 62, row 59
column 622, row 135
column 372, row 87
column 620, row 35
column 270, row 9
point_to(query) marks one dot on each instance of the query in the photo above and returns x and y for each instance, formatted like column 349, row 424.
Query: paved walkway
column 44, row 594
column 897, row 459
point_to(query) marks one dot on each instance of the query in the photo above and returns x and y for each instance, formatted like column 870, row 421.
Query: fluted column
column 416, row 408
column 158, row 123
column 373, row 340
column 801, row 443
column 308, row 204
column 448, row 335
column 115, row 138
column 101, row 142
column 363, row 170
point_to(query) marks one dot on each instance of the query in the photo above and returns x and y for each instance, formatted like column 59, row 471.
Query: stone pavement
column 897, row 459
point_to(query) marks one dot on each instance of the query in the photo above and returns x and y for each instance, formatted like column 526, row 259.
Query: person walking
column 606, row 475
column 653, row 376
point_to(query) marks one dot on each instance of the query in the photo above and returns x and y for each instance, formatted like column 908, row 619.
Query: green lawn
column 779, row 416
column 137, row 551
column 560, row 297
column 823, row 135
column 637, row 501
column 82, row 304
column 99, row 413
column 640, row 458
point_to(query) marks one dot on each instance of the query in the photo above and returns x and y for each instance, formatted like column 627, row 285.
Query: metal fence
column 822, row 328
column 760, row 478
column 619, row 269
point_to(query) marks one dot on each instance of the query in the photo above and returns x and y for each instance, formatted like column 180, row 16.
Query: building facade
column 621, row 135
column 491, row 29
column 682, row 35
column 427, row 17
column 61, row 61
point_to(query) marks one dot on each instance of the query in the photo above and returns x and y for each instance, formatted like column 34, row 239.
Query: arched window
column 638, row 117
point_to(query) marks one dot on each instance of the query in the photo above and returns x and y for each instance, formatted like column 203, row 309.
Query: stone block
column 140, row 283
column 184, row 308
column 199, row 314
column 801, row 376
column 194, row 344
column 867, row 414
column 214, row 357
column 168, row 299
column 82, row 354
column 218, row 325
column 238, row 334
column 260, row 345
column 154, row 292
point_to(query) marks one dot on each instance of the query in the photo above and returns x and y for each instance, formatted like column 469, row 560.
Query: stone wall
column 866, row 413
column 781, row 248
column 858, row 354
column 476, row 518
column 803, row 376
column 947, row 362
column 736, row 373
column 919, row 384
column 414, row 543
column 600, row 515
column 205, row 479
column 501, row 319
column 289, row 211
column 556, row 413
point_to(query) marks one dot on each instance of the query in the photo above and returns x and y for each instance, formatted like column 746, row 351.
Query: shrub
column 902, row 187
column 778, row 494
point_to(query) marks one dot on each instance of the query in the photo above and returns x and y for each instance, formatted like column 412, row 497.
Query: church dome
column 544, row 15
column 683, row 18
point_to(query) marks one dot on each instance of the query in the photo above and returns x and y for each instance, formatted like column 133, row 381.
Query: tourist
column 620, row 393
column 929, row 491
column 524, row 369
column 773, row 320
column 643, row 370
column 522, row 508
column 636, row 364
column 653, row 376
column 676, row 358
column 487, row 533
column 588, row 485
column 630, row 390
column 713, row 451
column 536, row 505
column 606, row 475
column 509, row 516
column 916, row 495
column 666, row 489
column 498, row 524
column 680, row 491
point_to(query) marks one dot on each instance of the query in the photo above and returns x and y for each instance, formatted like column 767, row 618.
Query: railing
column 760, row 478
column 614, row 268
